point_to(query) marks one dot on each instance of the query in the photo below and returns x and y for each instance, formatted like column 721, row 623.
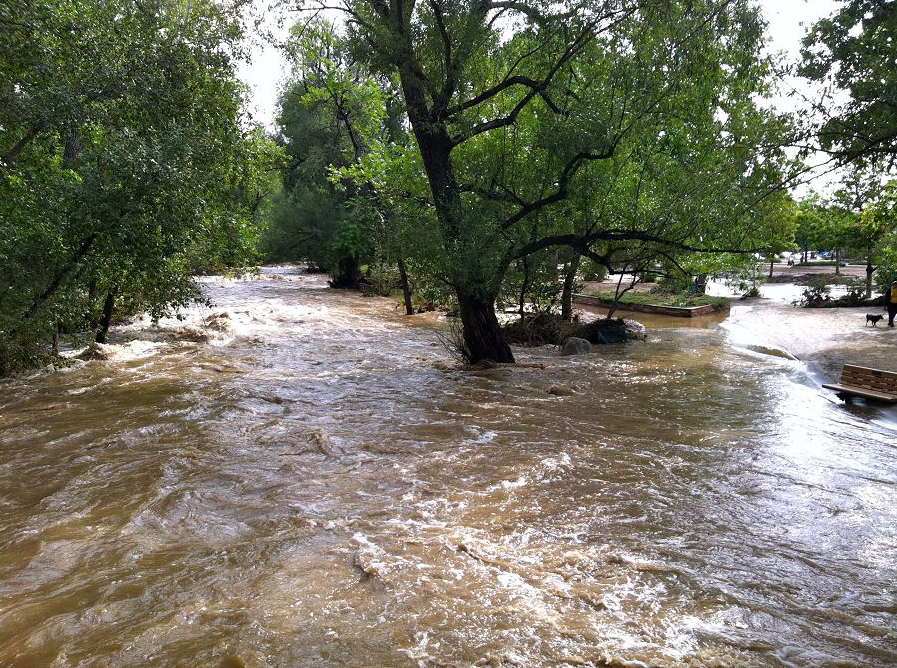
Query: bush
column 380, row 279
column 818, row 295
column 814, row 295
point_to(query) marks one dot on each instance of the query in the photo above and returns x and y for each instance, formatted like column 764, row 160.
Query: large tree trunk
column 483, row 339
column 348, row 275
column 569, row 283
column 406, row 287
column 106, row 320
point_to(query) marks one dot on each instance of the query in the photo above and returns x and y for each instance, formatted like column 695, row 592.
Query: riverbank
column 823, row 339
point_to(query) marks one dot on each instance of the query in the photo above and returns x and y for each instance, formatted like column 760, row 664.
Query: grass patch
column 820, row 263
column 654, row 299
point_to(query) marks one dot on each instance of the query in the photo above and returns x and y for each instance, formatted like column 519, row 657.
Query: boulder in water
column 576, row 346
column 603, row 331
column 635, row 330
column 94, row 351
column 558, row 391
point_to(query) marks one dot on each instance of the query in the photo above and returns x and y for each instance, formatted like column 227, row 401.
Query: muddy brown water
column 306, row 489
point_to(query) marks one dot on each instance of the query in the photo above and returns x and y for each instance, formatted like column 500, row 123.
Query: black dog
column 873, row 318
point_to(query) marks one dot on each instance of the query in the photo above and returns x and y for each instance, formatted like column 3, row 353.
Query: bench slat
column 862, row 392
column 861, row 381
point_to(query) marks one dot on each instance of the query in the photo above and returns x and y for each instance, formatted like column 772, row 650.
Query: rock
column 576, row 346
column 561, row 391
column 219, row 322
column 191, row 334
column 93, row 352
column 635, row 331
column 603, row 331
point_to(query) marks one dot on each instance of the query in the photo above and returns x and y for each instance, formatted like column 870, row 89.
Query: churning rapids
column 306, row 488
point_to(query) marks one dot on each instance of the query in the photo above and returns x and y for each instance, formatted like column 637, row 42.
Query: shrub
column 814, row 295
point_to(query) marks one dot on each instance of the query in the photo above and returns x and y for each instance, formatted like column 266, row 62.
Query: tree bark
column 482, row 335
column 483, row 339
column 837, row 262
column 772, row 264
column 524, row 287
column 106, row 320
column 406, row 287
column 349, row 274
column 569, row 284
column 60, row 277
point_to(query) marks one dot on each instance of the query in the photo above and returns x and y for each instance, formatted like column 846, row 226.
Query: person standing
column 891, row 303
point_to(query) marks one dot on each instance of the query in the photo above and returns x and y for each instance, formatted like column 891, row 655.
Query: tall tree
column 518, row 108
column 126, row 161
column 855, row 52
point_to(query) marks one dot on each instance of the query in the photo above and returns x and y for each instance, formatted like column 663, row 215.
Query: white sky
column 788, row 20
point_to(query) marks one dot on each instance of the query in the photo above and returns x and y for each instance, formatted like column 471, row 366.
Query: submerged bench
column 860, row 381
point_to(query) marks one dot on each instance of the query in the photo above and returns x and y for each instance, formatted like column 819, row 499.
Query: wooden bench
column 860, row 381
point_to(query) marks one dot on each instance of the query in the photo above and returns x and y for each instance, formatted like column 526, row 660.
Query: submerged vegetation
column 469, row 155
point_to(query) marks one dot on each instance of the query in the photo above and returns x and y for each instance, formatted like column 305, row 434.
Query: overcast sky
column 788, row 20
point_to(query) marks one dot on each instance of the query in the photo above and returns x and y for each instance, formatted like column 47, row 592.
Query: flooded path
column 305, row 488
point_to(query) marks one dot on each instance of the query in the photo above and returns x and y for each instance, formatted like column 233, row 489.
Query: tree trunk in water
column 106, row 321
column 349, row 276
column 523, row 288
column 869, row 270
column 569, row 284
column 837, row 262
column 483, row 339
column 406, row 287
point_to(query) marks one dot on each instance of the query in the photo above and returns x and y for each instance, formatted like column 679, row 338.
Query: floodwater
column 306, row 488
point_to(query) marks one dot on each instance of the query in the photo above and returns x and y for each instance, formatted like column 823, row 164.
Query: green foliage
column 533, row 280
column 331, row 113
column 571, row 126
column 747, row 280
column 125, row 163
column 853, row 51
column 814, row 295
column 381, row 279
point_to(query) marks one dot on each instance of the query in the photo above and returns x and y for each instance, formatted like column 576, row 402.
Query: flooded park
column 298, row 476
